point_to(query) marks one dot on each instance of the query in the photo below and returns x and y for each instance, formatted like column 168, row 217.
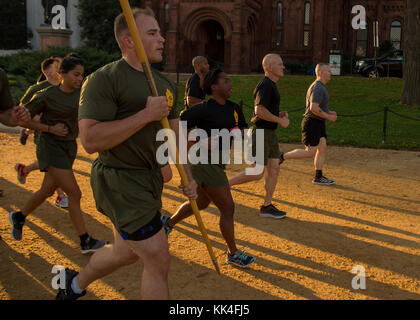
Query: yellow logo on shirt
column 235, row 114
column 170, row 98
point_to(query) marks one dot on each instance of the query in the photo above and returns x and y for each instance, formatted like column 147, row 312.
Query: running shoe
column 67, row 293
column 62, row 201
column 271, row 211
column 166, row 226
column 92, row 245
column 17, row 220
column 240, row 258
column 281, row 158
column 23, row 136
column 323, row 181
column 21, row 175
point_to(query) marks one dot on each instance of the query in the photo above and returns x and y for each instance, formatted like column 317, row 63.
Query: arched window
column 307, row 13
column 395, row 34
column 278, row 31
column 361, row 42
column 279, row 19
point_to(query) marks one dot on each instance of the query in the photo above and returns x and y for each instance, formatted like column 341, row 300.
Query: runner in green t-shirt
column 49, row 67
column 119, row 119
column 216, row 113
column 56, row 150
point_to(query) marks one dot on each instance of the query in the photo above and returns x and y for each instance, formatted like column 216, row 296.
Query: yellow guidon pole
column 165, row 123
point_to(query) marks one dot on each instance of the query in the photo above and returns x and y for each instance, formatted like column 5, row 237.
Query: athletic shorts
column 312, row 131
column 211, row 175
column 55, row 153
column 129, row 198
column 271, row 144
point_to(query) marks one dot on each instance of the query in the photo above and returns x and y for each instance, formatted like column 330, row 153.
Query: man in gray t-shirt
column 314, row 135
column 317, row 92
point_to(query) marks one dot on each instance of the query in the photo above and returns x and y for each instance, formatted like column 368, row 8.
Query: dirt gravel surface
column 369, row 218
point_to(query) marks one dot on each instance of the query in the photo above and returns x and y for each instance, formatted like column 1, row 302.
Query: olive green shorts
column 212, row 175
column 130, row 198
column 55, row 153
column 271, row 144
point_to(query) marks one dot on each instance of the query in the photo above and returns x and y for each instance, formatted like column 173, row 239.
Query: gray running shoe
column 17, row 225
column 167, row 228
column 240, row 259
column 92, row 245
column 271, row 211
column 323, row 181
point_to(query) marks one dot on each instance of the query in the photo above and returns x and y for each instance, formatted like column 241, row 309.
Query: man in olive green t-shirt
column 49, row 68
column 119, row 119
column 10, row 115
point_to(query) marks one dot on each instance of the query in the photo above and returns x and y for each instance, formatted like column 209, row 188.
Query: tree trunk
column 411, row 47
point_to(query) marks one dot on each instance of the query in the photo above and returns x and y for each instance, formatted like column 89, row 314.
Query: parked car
column 390, row 64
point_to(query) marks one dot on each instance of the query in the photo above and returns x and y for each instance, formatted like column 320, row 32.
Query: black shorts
column 145, row 232
column 312, row 131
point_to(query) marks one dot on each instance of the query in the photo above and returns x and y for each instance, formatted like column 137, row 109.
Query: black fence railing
column 385, row 110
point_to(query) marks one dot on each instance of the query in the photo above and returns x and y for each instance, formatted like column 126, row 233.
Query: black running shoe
column 23, row 136
column 281, row 158
column 67, row 293
column 92, row 245
column 271, row 211
column 17, row 225
column 166, row 226
column 322, row 181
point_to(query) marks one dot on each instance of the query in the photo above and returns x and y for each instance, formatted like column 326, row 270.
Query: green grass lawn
column 348, row 96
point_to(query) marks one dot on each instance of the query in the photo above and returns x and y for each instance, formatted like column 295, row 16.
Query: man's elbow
column 88, row 145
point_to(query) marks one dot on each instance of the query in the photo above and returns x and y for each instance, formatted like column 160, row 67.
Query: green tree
column 411, row 69
column 13, row 24
column 96, row 19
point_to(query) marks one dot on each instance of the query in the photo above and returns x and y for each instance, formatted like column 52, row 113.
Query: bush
column 296, row 68
column 385, row 47
column 28, row 63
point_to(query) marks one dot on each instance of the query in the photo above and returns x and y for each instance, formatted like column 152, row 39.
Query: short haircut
column 121, row 26
column 196, row 61
column 268, row 59
column 69, row 63
column 47, row 63
column 320, row 67
column 211, row 78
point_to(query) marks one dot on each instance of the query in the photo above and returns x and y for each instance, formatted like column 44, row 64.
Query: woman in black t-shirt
column 216, row 113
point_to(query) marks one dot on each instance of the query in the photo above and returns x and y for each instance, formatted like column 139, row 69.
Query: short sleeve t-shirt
column 56, row 106
column 193, row 89
column 317, row 93
column 117, row 91
column 267, row 94
column 34, row 89
column 211, row 115
column 6, row 101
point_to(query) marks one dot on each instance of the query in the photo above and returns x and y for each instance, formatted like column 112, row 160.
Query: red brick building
column 238, row 33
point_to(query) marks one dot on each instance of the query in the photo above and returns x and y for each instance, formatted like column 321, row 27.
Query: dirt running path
column 371, row 218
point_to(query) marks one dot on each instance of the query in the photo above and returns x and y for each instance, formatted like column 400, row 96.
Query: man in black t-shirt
column 314, row 135
column 267, row 116
column 193, row 92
